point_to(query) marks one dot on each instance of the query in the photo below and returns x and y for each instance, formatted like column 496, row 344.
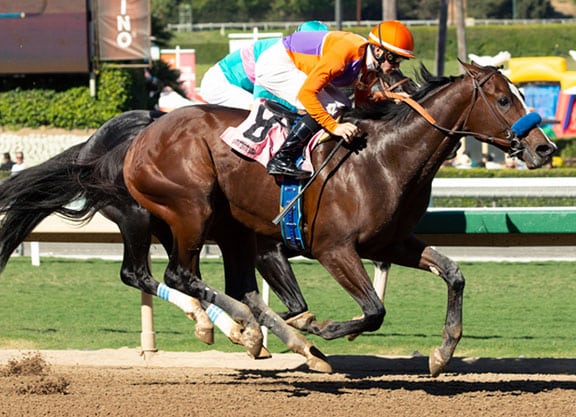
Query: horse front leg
column 347, row 268
column 449, row 271
column 416, row 254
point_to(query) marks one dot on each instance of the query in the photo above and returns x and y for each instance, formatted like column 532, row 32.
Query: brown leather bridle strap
column 412, row 103
column 395, row 85
column 386, row 92
column 506, row 142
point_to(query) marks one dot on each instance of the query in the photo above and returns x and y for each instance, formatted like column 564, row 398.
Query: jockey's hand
column 347, row 131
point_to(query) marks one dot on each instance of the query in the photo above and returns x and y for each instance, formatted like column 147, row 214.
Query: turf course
column 510, row 309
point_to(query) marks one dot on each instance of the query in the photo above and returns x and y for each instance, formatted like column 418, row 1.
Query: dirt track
column 120, row 383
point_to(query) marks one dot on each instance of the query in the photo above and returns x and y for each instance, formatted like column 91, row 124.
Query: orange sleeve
column 337, row 53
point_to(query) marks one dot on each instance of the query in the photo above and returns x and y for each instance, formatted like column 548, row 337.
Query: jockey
column 306, row 69
column 231, row 81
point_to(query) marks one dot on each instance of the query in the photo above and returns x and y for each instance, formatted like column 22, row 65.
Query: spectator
column 7, row 162
column 489, row 163
column 19, row 165
column 462, row 161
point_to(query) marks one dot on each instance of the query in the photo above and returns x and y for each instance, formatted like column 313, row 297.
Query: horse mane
column 389, row 111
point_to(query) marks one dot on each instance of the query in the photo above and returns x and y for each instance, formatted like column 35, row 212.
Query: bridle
column 511, row 141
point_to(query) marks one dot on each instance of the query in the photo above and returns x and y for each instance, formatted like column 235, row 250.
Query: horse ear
column 467, row 67
column 473, row 68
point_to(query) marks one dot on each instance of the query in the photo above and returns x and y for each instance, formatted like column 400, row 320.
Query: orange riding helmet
column 393, row 36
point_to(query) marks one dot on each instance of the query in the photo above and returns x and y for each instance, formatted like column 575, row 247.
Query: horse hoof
column 318, row 365
column 301, row 321
column 251, row 339
column 205, row 334
column 235, row 334
column 436, row 363
column 264, row 353
column 317, row 361
column 352, row 337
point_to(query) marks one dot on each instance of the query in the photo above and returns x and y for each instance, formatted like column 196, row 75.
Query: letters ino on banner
column 123, row 29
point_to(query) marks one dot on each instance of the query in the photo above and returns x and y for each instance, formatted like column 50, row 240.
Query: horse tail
column 31, row 195
column 89, row 175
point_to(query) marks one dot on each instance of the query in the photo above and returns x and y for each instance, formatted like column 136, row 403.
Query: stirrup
column 288, row 171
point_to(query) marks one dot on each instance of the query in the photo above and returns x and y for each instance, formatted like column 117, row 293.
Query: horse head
column 498, row 111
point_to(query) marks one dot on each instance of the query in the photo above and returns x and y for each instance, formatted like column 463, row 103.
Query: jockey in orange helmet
column 307, row 68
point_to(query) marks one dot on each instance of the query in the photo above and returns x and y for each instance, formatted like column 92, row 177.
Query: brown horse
column 364, row 204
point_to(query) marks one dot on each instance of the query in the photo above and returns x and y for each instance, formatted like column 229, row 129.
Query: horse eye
column 503, row 101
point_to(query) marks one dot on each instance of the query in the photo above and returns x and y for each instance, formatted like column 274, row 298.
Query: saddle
column 281, row 112
column 263, row 132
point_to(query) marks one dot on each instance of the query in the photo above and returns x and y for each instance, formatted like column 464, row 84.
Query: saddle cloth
column 262, row 134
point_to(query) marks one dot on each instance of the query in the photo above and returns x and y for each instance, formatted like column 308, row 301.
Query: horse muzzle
column 531, row 146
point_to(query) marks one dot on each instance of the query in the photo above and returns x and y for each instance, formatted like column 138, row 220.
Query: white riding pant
column 216, row 89
column 276, row 72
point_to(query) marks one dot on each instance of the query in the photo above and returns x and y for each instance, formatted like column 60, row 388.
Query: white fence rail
column 101, row 230
column 189, row 27
column 504, row 187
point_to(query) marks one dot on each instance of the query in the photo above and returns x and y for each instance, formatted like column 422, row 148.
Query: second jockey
column 230, row 82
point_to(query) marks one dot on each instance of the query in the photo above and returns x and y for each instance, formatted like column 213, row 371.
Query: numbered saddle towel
column 261, row 135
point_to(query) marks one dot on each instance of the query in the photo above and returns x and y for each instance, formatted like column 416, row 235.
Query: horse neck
column 449, row 106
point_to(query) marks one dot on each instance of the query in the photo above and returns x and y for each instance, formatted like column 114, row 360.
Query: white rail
column 504, row 187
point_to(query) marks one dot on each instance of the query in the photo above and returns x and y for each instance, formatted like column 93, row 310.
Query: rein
column 511, row 140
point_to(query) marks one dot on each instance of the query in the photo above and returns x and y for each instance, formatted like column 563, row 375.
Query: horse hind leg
column 134, row 224
column 188, row 210
column 239, row 266
column 190, row 282
column 296, row 342
column 272, row 263
column 380, row 281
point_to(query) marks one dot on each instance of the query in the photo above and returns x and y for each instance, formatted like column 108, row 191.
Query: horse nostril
column 546, row 150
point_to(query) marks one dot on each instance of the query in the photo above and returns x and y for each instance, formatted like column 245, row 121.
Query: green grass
column 510, row 309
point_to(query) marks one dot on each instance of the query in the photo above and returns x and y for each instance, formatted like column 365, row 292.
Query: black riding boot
column 284, row 162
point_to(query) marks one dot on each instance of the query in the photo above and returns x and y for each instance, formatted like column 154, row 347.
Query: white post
column 381, row 279
column 35, row 253
column 148, row 336
column 266, row 297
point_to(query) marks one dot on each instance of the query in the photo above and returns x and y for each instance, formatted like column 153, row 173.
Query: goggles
column 386, row 55
column 392, row 58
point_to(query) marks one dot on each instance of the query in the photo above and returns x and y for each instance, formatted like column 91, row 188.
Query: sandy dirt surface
column 123, row 383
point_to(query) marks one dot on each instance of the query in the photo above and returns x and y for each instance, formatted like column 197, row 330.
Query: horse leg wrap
column 225, row 323
column 187, row 304
column 192, row 307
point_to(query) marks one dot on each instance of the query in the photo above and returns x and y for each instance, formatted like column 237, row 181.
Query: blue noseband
column 526, row 123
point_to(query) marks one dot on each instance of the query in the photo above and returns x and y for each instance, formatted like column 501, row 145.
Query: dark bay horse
column 26, row 199
column 364, row 204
